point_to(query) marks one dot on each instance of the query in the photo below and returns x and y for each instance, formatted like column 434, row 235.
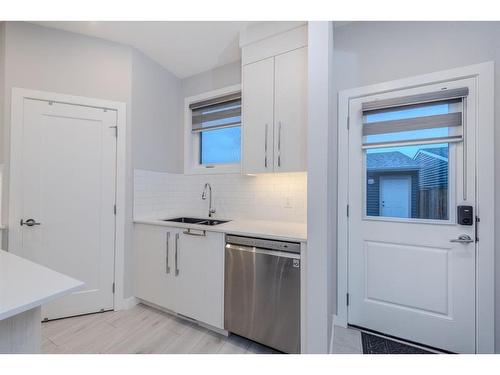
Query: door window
column 406, row 144
column 408, row 182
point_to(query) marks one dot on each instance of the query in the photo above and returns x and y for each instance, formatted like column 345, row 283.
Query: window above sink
column 212, row 132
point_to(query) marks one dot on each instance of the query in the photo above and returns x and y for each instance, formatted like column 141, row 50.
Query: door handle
column 189, row 233
column 167, row 266
column 463, row 238
column 176, row 250
column 29, row 222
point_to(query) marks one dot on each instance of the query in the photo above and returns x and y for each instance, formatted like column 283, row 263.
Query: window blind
column 216, row 113
column 434, row 117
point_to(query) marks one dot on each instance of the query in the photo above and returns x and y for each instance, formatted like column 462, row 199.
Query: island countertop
column 25, row 285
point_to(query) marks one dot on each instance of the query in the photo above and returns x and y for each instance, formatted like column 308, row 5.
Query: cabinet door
column 290, row 116
column 258, row 116
column 200, row 276
column 154, row 281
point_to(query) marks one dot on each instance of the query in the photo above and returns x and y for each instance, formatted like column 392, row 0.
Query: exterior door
column 411, row 263
column 66, row 206
column 395, row 196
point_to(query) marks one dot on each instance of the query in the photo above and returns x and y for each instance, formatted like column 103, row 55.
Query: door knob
column 29, row 222
column 463, row 238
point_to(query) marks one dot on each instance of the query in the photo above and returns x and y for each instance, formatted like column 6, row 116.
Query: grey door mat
column 379, row 345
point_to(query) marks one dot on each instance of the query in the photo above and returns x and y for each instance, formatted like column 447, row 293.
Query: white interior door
column 68, row 186
column 406, row 278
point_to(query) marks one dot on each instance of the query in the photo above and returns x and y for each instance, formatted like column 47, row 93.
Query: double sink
column 192, row 220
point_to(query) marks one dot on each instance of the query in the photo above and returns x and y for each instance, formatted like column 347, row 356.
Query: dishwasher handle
column 258, row 250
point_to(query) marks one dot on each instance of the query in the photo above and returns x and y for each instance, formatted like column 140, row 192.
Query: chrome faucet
column 211, row 210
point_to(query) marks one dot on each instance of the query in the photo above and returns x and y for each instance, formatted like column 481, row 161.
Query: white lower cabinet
column 190, row 282
column 153, row 281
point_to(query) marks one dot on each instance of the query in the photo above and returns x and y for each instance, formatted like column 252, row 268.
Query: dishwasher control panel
column 263, row 243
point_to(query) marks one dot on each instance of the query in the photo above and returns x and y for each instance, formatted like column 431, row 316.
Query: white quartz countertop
column 25, row 285
column 286, row 231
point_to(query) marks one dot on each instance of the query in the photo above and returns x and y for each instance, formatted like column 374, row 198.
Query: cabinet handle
column 176, row 251
column 265, row 147
column 167, row 270
column 279, row 144
column 188, row 232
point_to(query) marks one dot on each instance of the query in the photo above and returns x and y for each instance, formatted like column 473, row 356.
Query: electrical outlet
column 288, row 201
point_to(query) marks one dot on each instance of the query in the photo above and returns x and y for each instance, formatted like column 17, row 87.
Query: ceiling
column 184, row 48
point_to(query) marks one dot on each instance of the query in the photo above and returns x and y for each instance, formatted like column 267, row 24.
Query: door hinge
column 348, row 121
column 476, row 228
column 113, row 288
column 347, row 298
column 114, row 209
column 347, row 210
column 116, row 130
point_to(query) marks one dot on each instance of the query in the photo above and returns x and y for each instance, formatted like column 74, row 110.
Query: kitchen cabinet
column 192, row 284
column 200, row 270
column 275, row 113
column 258, row 116
column 154, row 266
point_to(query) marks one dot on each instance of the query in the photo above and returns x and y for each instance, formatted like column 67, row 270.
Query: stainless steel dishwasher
column 262, row 291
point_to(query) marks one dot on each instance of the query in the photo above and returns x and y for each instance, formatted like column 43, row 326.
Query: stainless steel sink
column 192, row 220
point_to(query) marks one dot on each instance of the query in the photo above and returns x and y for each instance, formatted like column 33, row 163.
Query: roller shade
column 434, row 117
column 217, row 113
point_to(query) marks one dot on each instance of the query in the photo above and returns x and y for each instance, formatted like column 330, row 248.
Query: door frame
column 15, row 179
column 483, row 74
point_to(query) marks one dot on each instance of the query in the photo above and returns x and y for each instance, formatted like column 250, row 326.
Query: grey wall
column 2, row 82
column 226, row 75
column 156, row 116
column 372, row 52
column 46, row 59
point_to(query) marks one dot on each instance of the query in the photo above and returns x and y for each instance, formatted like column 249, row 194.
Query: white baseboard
column 332, row 333
column 207, row 326
column 128, row 303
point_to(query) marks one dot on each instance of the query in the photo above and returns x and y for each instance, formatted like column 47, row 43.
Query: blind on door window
column 434, row 117
column 217, row 113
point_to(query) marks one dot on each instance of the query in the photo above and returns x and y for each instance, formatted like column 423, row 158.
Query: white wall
column 46, row 59
column 156, row 115
column 321, row 222
column 274, row 196
column 2, row 102
column 2, row 82
column 372, row 52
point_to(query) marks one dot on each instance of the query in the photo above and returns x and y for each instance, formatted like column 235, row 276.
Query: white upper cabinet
column 258, row 116
column 274, row 102
column 290, row 111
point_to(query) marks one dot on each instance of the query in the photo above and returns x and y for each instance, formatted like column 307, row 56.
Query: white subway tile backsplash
column 280, row 196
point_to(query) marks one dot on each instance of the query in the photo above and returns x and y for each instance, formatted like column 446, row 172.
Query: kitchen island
column 24, row 287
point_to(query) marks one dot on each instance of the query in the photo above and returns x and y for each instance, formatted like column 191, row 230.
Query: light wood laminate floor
column 141, row 329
